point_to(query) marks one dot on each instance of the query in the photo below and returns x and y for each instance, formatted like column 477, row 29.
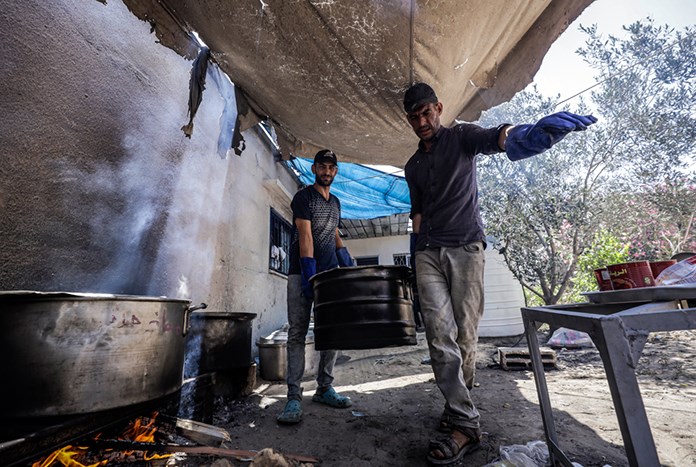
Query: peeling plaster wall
column 99, row 189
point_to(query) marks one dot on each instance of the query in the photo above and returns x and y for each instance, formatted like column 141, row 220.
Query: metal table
column 619, row 323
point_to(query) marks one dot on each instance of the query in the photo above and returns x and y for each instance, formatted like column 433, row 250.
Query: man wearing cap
column 448, row 246
column 316, row 246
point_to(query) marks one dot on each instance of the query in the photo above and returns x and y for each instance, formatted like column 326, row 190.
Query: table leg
column 555, row 451
column 618, row 361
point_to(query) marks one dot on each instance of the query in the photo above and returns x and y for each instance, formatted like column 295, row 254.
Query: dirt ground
column 396, row 406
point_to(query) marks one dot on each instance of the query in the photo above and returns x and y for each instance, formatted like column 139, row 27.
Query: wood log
column 238, row 454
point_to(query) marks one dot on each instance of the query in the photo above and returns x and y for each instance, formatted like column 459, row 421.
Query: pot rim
column 61, row 295
column 383, row 269
column 637, row 263
column 234, row 315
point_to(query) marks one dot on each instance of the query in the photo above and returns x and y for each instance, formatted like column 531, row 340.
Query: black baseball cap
column 326, row 155
column 417, row 95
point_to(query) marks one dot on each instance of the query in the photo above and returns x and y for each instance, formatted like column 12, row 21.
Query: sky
column 563, row 71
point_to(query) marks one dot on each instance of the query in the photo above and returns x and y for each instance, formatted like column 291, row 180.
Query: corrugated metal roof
column 396, row 224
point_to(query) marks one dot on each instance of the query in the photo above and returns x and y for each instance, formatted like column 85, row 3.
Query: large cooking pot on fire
column 363, row 307
column 67, row 353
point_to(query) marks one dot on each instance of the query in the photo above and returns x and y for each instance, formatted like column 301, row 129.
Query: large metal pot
column 69, row 353
column 218, row 341
column 363, row 307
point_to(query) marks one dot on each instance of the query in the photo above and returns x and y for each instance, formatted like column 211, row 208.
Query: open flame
column 137, row 431
column 65, row 456
column 143, row 434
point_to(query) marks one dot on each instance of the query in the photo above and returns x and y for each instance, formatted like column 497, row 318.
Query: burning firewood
column 138, row 442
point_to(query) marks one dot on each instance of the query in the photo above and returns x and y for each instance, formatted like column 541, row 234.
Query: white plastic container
column 503, row 298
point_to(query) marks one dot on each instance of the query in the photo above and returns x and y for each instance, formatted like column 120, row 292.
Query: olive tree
column 659, row 220
column 545, row 211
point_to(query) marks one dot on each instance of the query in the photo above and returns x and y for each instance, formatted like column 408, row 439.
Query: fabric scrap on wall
column 196, row 88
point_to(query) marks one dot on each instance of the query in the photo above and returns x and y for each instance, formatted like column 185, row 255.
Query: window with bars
column 279, row 255
column 402, row 259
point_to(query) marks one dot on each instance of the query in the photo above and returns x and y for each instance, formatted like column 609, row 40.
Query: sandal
column 453, row 452
column 333, row 399
column 444, row 427
column 292, row 413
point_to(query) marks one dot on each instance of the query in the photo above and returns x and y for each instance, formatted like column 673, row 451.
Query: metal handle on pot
column 187, row 315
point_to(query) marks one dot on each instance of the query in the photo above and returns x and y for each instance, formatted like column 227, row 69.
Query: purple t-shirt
column 324, row 216
column 443, row 185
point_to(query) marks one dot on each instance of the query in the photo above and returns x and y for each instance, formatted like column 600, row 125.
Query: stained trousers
column 450, row 283
column 299, row 313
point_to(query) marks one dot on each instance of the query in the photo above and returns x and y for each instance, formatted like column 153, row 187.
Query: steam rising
column 183, row 290
column 157, row 227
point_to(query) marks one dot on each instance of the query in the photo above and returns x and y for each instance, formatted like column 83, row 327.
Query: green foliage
column 605, row 249
column 542, row 209
column 647, row 96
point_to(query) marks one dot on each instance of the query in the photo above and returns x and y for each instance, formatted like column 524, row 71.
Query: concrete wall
column 99, row 189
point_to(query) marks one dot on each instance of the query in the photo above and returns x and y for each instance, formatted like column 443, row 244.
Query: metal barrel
column 363, row 307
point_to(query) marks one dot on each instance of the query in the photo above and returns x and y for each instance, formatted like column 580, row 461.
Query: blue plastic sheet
column 364, row 192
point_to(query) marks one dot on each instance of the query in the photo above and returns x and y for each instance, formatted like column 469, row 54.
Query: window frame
column 279, row 227
column 402, row 259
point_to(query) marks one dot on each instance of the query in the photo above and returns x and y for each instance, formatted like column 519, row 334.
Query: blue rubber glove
column 528, row 140
column 308, row 267
column 344, row 258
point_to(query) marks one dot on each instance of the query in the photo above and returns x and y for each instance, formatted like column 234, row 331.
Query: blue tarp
column 364, row 192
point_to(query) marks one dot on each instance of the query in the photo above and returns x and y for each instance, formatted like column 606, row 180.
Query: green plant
column 605, row 249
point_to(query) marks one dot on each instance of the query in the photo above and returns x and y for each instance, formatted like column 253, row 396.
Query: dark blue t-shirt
column 324, row 216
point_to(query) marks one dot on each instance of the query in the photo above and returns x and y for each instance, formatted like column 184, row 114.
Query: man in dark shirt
column 316, row 246
column 448, row 246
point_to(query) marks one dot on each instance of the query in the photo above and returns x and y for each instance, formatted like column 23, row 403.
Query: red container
column 631, row 275
column 658, row 266
column 603, row 279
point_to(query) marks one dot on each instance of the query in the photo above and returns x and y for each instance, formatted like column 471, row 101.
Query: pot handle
column 187, row 316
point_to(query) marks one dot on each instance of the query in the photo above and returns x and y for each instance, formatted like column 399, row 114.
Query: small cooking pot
column 70, row 353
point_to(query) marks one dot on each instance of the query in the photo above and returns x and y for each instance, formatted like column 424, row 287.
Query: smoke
column 187, row 255
column 150, row 215
column 122, row 207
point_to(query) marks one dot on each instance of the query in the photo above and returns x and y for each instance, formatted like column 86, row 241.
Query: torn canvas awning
column 331, row 74
column 365, row 193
